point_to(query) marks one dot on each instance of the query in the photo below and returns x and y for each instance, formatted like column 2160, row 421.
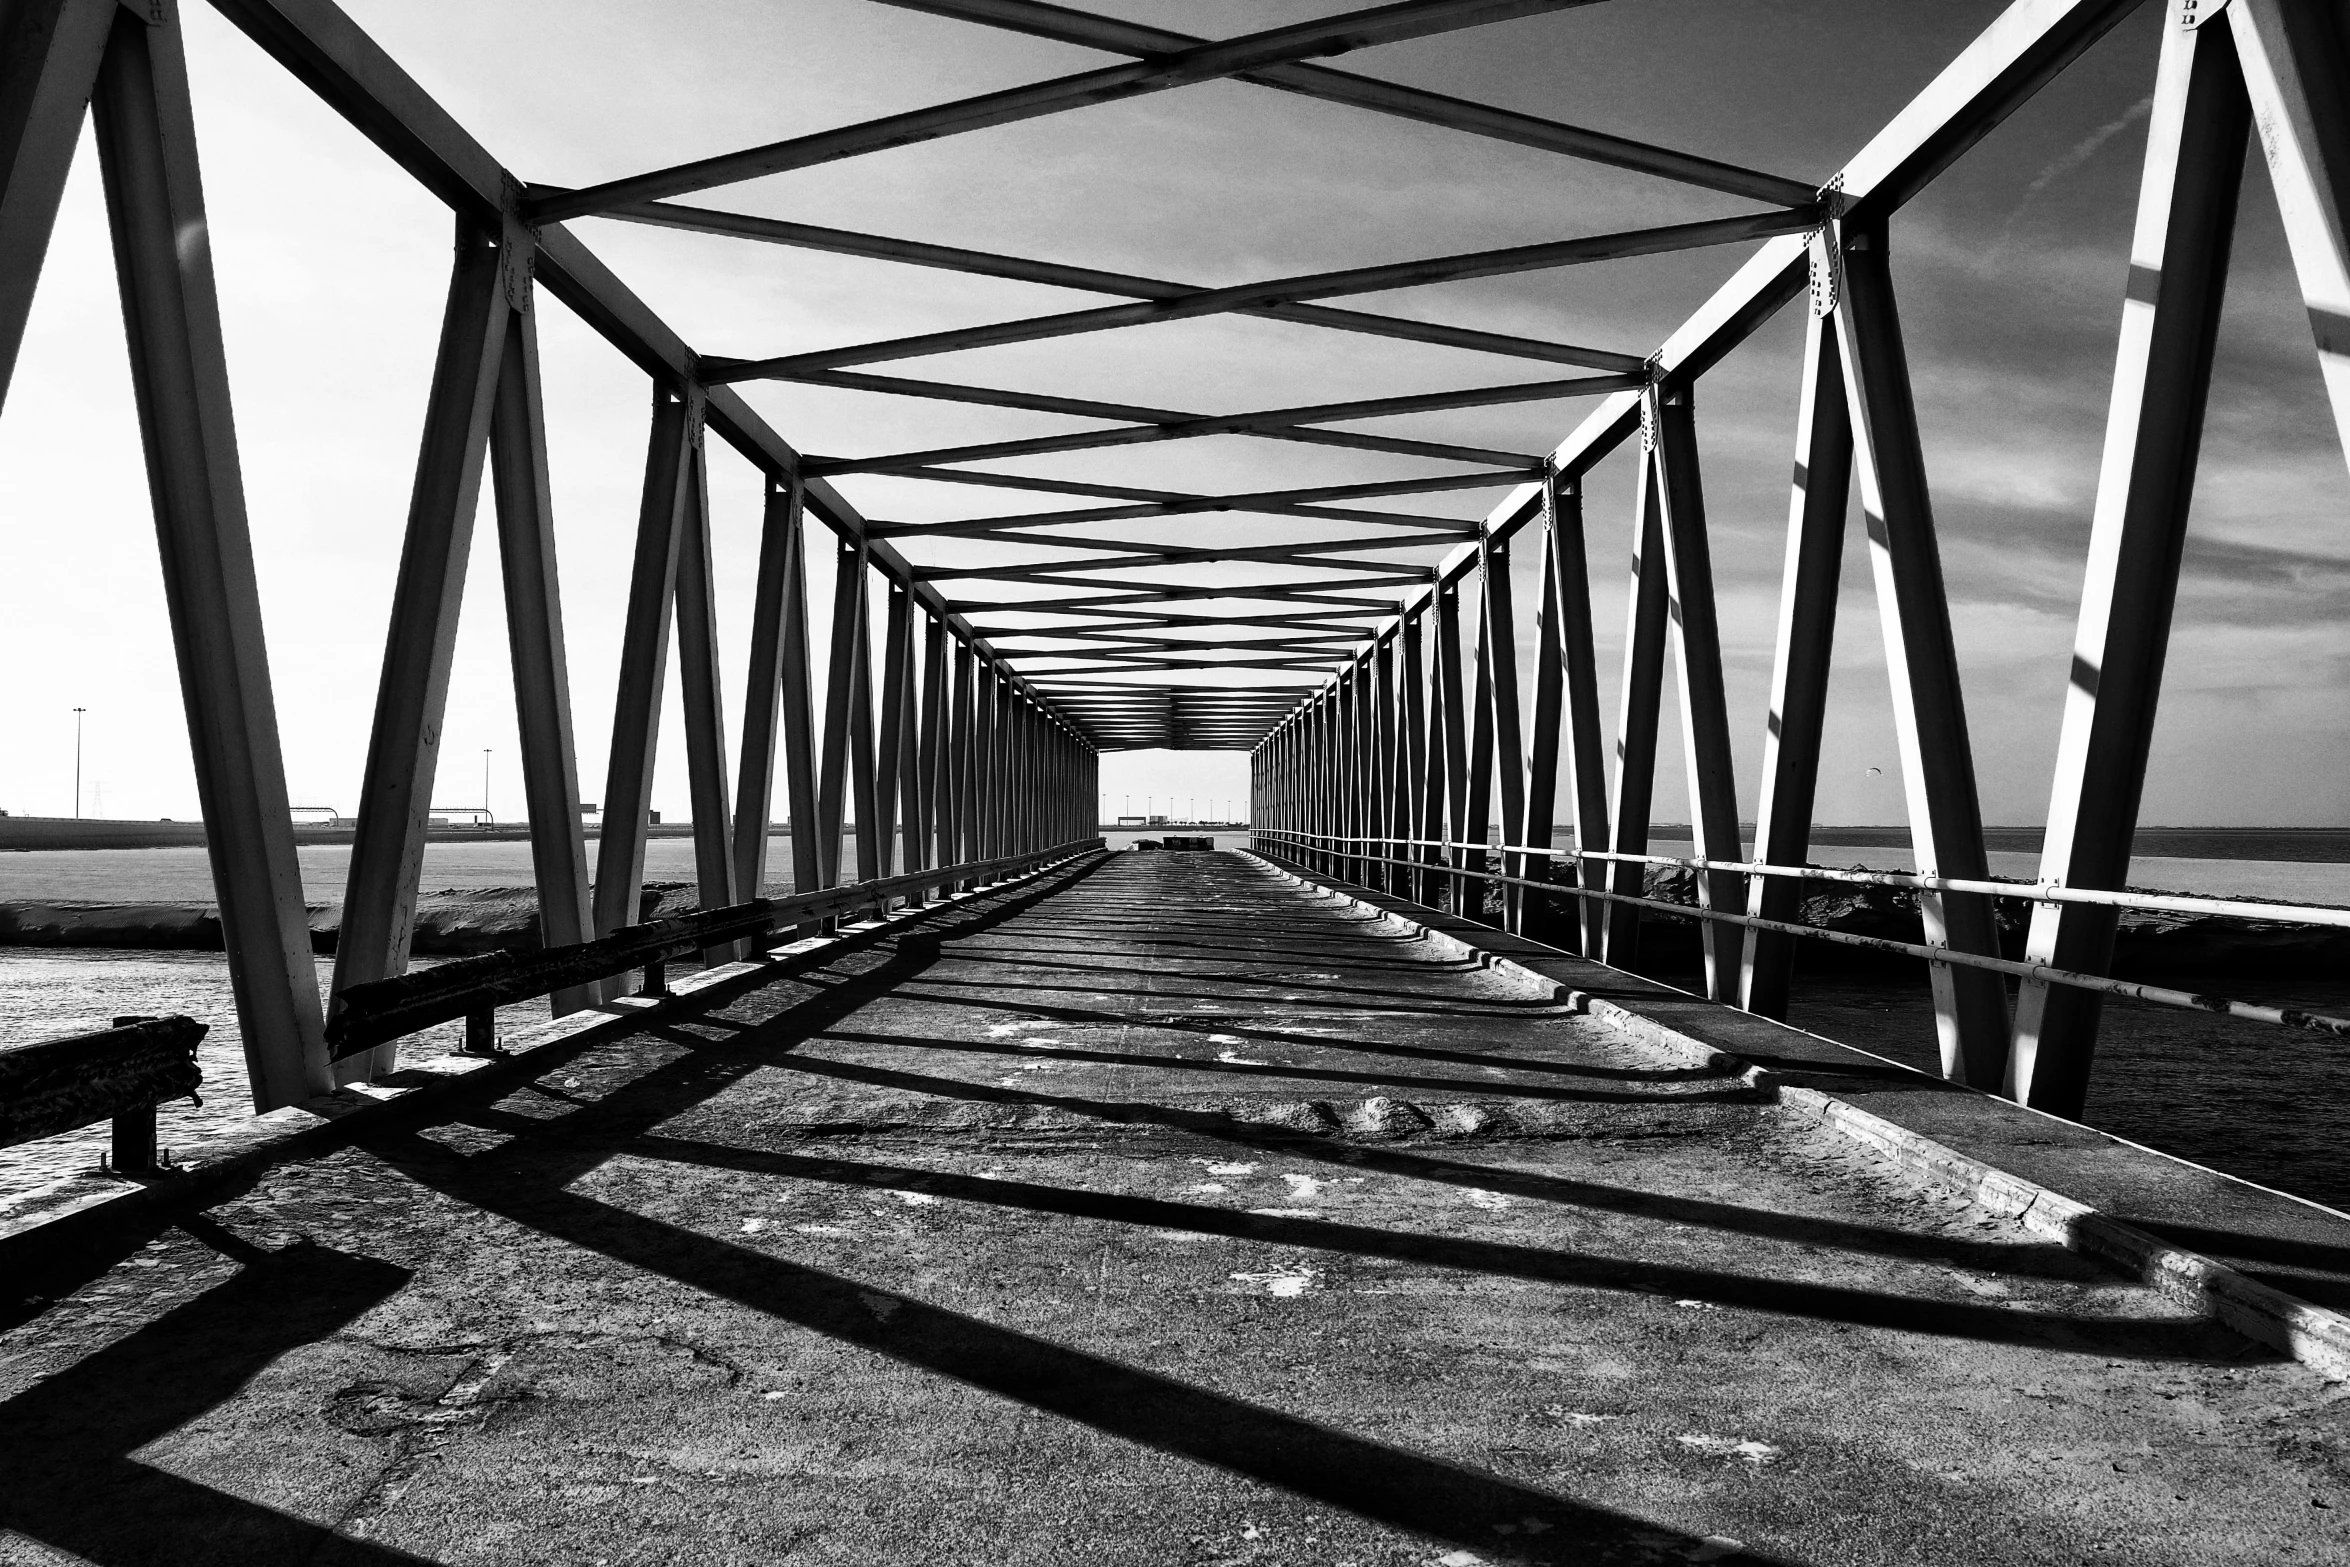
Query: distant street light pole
column 77, row 762
column 485, row 780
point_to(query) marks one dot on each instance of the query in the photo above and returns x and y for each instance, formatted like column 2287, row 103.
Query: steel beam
column 1804, row 639
column 2296, row 64
column 704, row 703
column 2030, row 43
column 2154, row 431
column 404, row 745
column 1448, row 752
column 1476, row 817
column 893, row 772
column 146, row 135
column 1697, row 659
column 49, row 57
column 1499, row 648
column 537, row 648
column 321, row 46
column 1921, row 658
column 836, row 788
column 1203, row 62
column 1383, row 97
column 1260, row 421
column 1638, row 708
column 1178, row 503
column 1514, row 259
column 644, row 661
column 778, row 578
column 935, row 798
column 704, row 220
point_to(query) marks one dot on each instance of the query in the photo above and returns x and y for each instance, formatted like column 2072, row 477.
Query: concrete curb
column 2316, row 1336
column 50, row 1212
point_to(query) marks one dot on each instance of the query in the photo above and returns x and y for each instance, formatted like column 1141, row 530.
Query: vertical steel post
column 1799, row 663
column 1349, row 778
column 1448, row 762
column 865, row 806
column 1477, row 811
column 1638, row 707
column 931, row 797
column 965, row 764
column 535, row 642
column 179, row 374
column 1509, row 744
column 1427, row 736
column 2153, row 433
column 1929, row 713
column 892, row 775
column 763, row 691
column 986, row 840
column 1566, row 704
column 848, row 622
column 809, row 868
column 644, row 663
column 705, row 708
column 1705, row 710
column 404, row 745
column 1386, row 801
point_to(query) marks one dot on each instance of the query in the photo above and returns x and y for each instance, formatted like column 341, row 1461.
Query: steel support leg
column 1637, row 710
column 1500, row 653
column 840, row 687
column 404, row 747
column 703, row 700
column 892, row 773
column 1799, row 664
column 179, row 374
column 1929, row 714
column 534, row 640
column 1452, row 714
column 644, row 664
column 2170, row 324
column 754, row 792
column 1705, row 710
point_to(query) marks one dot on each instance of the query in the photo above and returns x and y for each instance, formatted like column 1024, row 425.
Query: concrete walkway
column 1159, row 1211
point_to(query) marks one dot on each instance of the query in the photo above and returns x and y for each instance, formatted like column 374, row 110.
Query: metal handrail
column 2327, row 915
column 383, row 1010
column 119, row 1074
column 2157, row 995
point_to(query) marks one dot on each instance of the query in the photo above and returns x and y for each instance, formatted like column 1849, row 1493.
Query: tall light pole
column 485, row 781
column 77, row 762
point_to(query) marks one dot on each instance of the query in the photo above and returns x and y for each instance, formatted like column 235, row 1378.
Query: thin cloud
column 2078, row 154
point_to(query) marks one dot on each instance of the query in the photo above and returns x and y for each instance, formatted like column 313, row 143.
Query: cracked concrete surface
column 1157, row 1212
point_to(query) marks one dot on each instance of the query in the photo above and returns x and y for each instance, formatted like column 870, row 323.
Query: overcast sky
column 333, row 267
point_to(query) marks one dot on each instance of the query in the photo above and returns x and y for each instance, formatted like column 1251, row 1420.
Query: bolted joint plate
column 1827, row 251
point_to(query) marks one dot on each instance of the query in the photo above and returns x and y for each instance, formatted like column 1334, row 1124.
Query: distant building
column 460, row 816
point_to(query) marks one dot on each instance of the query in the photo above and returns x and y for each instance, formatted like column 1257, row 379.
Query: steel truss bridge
column 1402, row 740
